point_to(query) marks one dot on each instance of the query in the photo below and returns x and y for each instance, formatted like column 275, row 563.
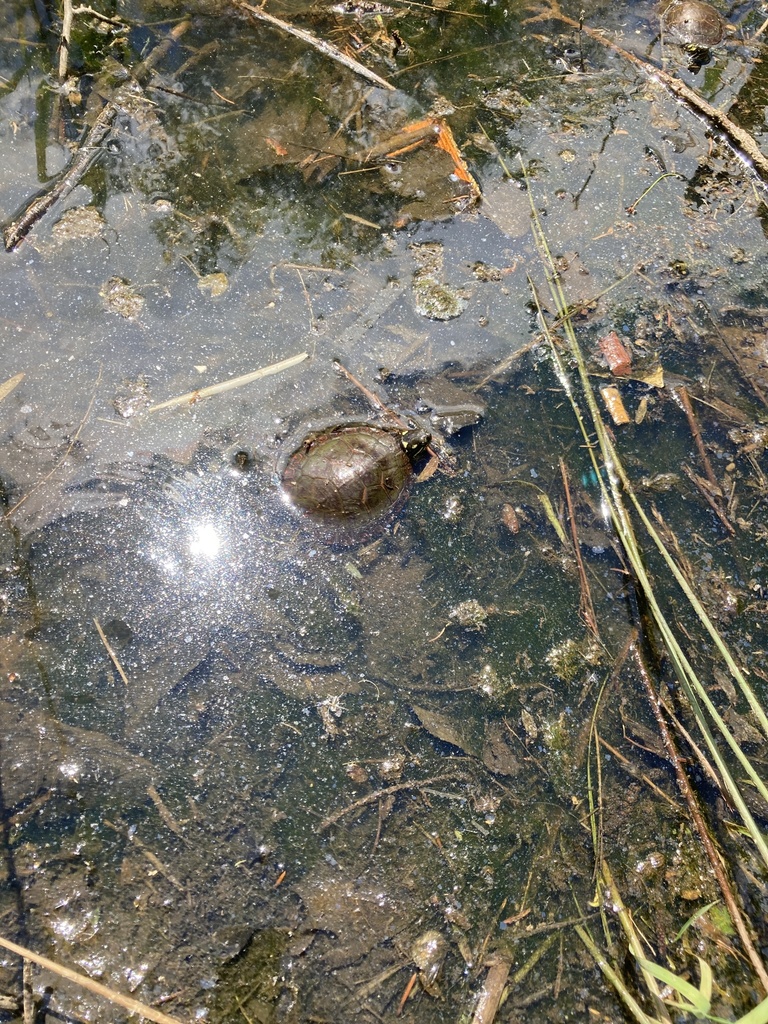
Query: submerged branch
column 740, row 140
column 327, row 49
column 371, row 798
column 90, row 150
column 71, row 178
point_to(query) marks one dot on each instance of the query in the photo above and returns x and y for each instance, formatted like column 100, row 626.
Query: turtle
column 353, row 472
column 693, row 25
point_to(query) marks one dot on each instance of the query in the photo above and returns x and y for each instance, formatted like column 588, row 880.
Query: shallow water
column 244, row 769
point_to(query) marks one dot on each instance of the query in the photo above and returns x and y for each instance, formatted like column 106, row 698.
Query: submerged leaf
column 455, row 730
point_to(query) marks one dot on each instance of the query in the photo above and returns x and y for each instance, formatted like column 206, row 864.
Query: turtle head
column 415, row 442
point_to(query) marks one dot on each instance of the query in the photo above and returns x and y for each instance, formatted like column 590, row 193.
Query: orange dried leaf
column 446, row 142
column 409, row 136
column 404, row 149
column 430, row 124
column 419, row 132
column 278, row 147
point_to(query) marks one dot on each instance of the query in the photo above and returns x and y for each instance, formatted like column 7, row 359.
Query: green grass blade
column 599, row 440
column 759, row 1015
column 699, row 1003
column 615, row 979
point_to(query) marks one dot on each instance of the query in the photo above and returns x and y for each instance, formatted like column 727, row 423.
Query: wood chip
column 616, row 354
column 615, row 405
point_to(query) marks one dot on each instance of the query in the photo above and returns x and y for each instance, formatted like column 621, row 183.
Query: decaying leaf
column 120, row 297
column 214, row 284
column 435, row 184
column 492, row 747
column 41, row 752
column 453, row 729
column 654, row 377
column 498, row 755
column 529, row 724
column 278, row 147
column 78, row 223
column 510, row 518
column 431, row 131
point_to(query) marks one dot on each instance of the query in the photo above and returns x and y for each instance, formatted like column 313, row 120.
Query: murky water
column 247, row 769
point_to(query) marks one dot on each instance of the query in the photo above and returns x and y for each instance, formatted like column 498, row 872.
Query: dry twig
column 228, row 385
column 127, row 1002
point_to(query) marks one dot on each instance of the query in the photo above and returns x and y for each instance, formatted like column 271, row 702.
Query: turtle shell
column 354, row 470
column 693, row 24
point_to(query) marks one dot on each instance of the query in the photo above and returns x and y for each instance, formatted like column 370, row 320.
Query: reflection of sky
column 178, row 548
column 204, row 533
column 204, row 541
column 216, row 541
